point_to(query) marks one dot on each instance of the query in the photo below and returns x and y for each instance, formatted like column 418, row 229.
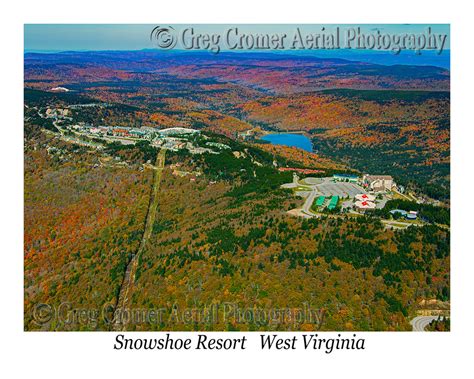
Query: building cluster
column 373, row 184
column 173, row 139
column 364, row 202
column 321, row 201
column 246, row 135
column 410, row 215
column 115, row 131
column 144, row 132
column 378, row 183
column 58, row 113
column 178, row 138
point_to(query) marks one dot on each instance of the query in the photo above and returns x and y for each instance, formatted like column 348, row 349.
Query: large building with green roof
column 320, row 201
column 333, row 202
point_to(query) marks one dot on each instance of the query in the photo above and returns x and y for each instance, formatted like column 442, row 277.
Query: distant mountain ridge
column 279, row 73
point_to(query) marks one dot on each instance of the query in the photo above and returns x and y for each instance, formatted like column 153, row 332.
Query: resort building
column 363, row 206
column 378, row 183
column 411, row 215
column 365, row 197
column 177, row 131
column 401, row 212
column 320, row 201
column 138, row 133
column 333, row 202
column 120, row 132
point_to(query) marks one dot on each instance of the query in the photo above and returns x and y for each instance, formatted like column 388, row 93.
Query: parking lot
column 312, row 181
column 341, row 189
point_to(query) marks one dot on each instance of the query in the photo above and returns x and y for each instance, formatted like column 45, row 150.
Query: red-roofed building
column 120, row 132
column 363, row 206
column 365, row 197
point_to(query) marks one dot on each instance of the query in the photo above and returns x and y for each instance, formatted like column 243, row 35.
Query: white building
column 378, row 183
column 60, row 89
column 363, row 206
column 177, row 131
column 365, row 197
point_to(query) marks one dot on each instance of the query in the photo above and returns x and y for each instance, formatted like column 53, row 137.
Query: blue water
column 288, row 139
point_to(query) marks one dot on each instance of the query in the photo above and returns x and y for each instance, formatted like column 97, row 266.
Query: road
column 309, row 202
column 73, row 139
column 421, row 322
column 396, row 224
column 126, row 289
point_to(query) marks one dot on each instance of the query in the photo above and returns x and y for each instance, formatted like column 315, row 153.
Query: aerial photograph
column 177, row 181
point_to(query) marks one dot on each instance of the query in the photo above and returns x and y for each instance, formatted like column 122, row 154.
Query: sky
column 79, row 37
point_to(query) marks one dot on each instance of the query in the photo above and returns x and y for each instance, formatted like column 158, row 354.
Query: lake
column 289, row 139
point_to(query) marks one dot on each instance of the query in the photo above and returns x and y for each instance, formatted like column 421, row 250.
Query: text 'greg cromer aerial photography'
column 236, row 177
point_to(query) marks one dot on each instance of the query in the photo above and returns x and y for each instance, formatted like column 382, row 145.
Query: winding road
column 421, row 322
column 309, row 202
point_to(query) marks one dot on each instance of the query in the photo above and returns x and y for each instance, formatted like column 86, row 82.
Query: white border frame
column 387, row 354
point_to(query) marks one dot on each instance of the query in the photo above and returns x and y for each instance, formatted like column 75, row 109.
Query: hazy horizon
column 387, row 58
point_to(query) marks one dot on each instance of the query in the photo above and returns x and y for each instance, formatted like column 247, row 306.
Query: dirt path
column 126, row 288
